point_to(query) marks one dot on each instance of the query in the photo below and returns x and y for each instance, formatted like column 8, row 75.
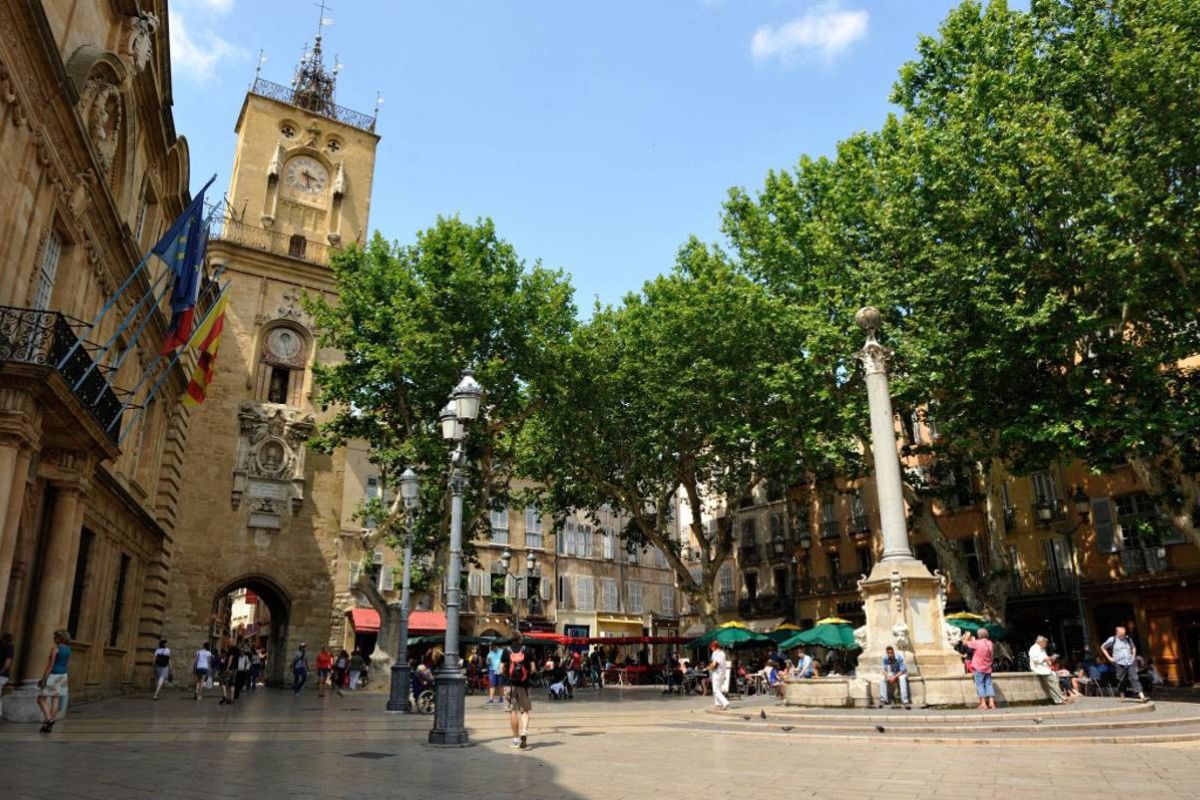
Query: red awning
column 426, row 621
column 366, row 620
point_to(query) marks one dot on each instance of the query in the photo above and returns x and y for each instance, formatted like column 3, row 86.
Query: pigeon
column 880, row 728
column 762, row 714
column 787, row 728
column 746, row 717
column 1037, row 720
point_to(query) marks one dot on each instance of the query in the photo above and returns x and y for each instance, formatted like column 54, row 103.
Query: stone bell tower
column 260, row 510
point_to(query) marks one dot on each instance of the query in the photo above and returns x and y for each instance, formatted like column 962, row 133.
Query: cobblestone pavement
column 622, row 744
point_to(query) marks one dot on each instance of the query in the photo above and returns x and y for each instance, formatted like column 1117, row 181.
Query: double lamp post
column 449, row 726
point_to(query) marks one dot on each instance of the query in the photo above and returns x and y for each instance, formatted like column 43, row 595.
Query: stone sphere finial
column 868, row 318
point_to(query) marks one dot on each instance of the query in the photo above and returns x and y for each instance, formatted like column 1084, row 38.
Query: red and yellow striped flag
column 207, row 340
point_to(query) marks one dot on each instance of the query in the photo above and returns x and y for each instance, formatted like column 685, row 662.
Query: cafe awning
column 366, row 620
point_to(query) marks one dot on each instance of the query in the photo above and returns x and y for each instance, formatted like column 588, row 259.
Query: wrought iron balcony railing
column 1143, row 560
column 830, row 530
column 1041, row 582
column 286, row 94
column 47, row 339
column 296, row 245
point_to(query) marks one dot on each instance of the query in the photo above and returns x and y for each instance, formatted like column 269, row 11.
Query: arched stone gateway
column 256, row 608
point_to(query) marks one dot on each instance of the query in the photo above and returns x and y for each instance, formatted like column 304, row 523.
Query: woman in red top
column 324, row 664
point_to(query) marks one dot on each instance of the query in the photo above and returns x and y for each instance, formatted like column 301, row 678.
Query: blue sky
column 597, row 135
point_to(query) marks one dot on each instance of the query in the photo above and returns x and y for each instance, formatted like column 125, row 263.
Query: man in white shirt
column 1039, row 664
column 718, row 673
column 201, row 665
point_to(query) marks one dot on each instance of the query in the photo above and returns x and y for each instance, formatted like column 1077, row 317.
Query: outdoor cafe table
column 630, row 676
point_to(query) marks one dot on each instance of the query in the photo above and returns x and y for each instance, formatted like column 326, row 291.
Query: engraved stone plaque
column 922, row 621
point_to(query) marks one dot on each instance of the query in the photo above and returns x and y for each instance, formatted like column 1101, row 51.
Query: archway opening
column 255, row 610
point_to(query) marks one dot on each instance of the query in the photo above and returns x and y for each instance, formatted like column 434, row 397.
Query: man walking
column 517, row 666
column 895, row 673
column 494, row 660
column 1121, row 652
column 980, row 646
column 299, row 668
column 1039, row 664
column 718, row 671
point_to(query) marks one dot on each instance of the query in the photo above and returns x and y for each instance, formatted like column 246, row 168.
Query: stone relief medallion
column 270, row 462
column 285, row 346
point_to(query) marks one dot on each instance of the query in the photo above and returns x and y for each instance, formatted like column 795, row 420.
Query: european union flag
column 182, row 249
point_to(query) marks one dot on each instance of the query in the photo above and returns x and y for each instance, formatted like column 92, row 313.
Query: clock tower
column 261, row 515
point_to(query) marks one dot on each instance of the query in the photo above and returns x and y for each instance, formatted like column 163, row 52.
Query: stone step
column 1081, row 710
column 915, row 727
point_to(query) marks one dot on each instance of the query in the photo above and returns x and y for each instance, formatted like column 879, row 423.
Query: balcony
column 830, row 530
column 1143, row 560
column 1043, row 582
column 226, row 229
column 749, row 554
column 286, row 94
column 46, row 340
column 764, row 605
column 1057, row 512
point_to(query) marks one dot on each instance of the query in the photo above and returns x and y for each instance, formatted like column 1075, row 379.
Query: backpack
column 243, row 663
column 518, row 669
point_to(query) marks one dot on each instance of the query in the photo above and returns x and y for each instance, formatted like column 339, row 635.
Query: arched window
column 282, row 361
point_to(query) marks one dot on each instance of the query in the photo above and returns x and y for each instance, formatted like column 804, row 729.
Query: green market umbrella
column 832, row 632
column 784, row 632
column 966, row 621
column 731, row 634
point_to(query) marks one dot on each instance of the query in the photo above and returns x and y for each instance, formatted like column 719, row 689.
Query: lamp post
column 410, row 495
column 449, row 723
column 530, row 566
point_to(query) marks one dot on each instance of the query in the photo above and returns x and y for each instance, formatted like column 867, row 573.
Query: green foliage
column 698, row 382
column 408, row 320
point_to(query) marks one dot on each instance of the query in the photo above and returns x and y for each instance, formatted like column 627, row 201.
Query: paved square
column 620, row 744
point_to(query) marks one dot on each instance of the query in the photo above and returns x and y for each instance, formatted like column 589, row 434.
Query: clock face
column 306, row 175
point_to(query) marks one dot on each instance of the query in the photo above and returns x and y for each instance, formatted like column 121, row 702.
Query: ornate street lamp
column 530, row 566
column 1083, row 503
column 1083, row 507
column 410, row 495
column 449, row 724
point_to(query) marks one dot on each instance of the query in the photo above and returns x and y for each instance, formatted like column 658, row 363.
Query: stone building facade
column 260, row 510
column 90, row 465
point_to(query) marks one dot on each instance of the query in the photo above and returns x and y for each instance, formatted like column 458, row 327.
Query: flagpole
column 120, row 290
column 179, row 354
column 158, row 358
column 151, row 292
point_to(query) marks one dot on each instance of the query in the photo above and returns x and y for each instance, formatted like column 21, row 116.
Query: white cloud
column 824, row 32
column 217, row 6
column 197, row 56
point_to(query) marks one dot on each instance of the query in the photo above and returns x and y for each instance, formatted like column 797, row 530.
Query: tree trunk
column 997, row 573
column 384, row 654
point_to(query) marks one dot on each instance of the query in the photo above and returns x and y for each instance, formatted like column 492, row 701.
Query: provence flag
column 182, row 250
column 207, row 340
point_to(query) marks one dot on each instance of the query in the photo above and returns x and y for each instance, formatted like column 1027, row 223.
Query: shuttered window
column 47, row 271
column 585, row 593
column 1102, row 519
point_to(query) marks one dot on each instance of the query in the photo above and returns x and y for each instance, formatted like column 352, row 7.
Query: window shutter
column 387, row 579
column 545, row 593
column 522, row 588
column 355, row 569
column 1102, row 518
column 377, row 557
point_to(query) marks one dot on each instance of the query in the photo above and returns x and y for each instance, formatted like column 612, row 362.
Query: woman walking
column 229, row 659
column 162, row 666
column 324, row 664
column 53, row 684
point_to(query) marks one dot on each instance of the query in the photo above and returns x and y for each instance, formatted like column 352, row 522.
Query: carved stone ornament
column 276, row 162
column 101, row 108
column 900, row 636
column 339, row 180
column 140, row 45
column 270, row 462
column 291, row 308
column 860, row 637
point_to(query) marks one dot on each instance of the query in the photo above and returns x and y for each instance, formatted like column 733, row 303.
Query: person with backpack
column 299, row 668
column 162, row 666
column 200, row 665
column 229, row 659
column 357, row 667
column 518, row 666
